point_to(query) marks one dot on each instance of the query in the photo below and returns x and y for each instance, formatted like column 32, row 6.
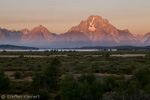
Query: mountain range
column 95, row 31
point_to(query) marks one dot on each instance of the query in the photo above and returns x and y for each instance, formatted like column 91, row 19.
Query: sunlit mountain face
column 95, row 31
column 100, row 31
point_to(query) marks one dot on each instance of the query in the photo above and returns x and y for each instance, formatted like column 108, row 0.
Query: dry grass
column 128, row 55
column 10, row 74
column 33, row 56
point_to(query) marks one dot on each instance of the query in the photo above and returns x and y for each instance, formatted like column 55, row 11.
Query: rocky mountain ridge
column 95, row 31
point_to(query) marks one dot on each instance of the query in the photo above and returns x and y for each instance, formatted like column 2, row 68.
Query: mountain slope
column 10, row 36
column 2, row 37
column 25, row 31
column 73, row 37
column 146, row 39
column 38, row 35
column 99, row 30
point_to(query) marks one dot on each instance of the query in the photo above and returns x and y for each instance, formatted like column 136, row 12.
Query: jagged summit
column 40, row 30
column 25, row 31
column 100, row 30
column 92, row 24
column 39, row 34
column 94, row 16
column 126, row 30
column 94, row 31
column 97, row 18
column 12, row 30
column 39, row 27
column 148, row 33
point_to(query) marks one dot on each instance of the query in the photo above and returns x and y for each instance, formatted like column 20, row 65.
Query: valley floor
column 115, row 72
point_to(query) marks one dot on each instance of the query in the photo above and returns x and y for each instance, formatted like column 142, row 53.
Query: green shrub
column 17, row 75
column 4, row 82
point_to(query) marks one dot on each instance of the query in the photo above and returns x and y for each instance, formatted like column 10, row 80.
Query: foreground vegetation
column 77, row 76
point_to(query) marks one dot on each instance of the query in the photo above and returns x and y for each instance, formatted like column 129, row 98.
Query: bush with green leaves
column 69, row 89
column 47, row 80
column 147, row 89
column 86, row 88
column 110, row 83
column 4, row 82
column 17, row 75
column 142, row 75
column 52, row 74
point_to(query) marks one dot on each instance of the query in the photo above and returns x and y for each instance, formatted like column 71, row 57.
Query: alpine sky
column 60, row 15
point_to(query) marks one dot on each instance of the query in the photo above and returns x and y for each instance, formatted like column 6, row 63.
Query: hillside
column 14, row 47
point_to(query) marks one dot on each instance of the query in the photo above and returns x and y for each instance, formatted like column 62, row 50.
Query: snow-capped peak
column 26, row 31
column 92, row 27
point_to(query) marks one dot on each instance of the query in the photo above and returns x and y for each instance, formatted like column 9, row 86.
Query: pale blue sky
column 60, row 15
